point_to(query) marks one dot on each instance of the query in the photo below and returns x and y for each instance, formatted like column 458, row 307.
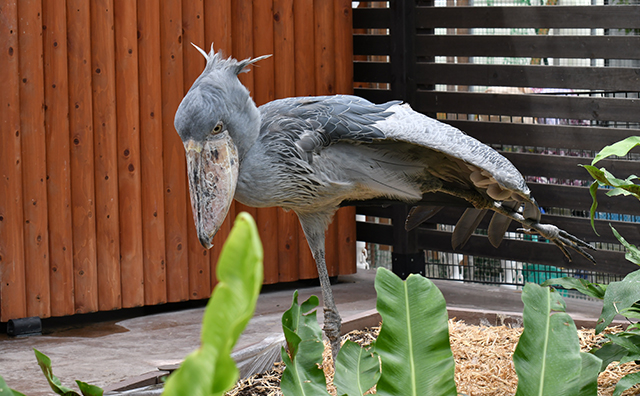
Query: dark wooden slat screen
column 589, row 100
column 617, row 17
column 547, row 106
column 609, row 78
column 611, row 47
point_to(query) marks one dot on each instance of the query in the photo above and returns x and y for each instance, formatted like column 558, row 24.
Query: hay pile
column 483, row 363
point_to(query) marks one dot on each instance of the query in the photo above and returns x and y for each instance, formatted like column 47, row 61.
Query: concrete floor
column 109, row 352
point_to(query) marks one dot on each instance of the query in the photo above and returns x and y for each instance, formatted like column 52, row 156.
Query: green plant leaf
column 302, row 374
column 414, row 339
column 631, row 312
column 582, row 285
column 45, row 364
column 619, row 296
column 89, row 390
column 210, row 370
column 593, row 190
column 6, row 391
column 609, row 353
column 626, row 382
column 619, row 149
column 633, row 253
column 547, row 358
column 588, row 384
column 357, row 369
column 630, row 342
column 300, row 322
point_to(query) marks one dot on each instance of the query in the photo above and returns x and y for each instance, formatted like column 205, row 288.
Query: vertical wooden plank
column 304, row 48
column 58, row 168
column 217, row 18
column 242, row 33
column 13, row 303
column 34, row 188
column 82, row 158
column 345, row 217
column 105, row 147
column 150, row 86
column 284, row 58
column 305, row 85
column 128, row 132
column 325, row 55
column 193, row 28
column 175, row 183
column 218, row 32
column 264, row 87
column 242, row 48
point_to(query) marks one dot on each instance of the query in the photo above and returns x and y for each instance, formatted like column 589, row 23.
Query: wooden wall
column 94, row 206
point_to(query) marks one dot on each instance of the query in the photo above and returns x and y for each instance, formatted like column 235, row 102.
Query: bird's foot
column 561, row 239
column 332, row 326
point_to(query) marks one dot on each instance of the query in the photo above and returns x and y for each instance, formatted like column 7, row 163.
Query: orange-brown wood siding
column 94, row 204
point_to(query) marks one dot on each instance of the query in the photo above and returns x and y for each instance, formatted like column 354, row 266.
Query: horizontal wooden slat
column 525, row 251
column 371, row 18
column 541, row 135
column 372, row 72
column 578, row 226
column 554, row 195
column 565, row 166
column 371, row 44
column 549, row 106
column 618, row 17
column 375, row 95
column 594, row 47
column 604, row 78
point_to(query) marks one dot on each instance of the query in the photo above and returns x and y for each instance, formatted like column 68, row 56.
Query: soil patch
column 483, row 362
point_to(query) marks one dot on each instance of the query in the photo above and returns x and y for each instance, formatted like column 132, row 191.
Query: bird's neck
column 246, row 127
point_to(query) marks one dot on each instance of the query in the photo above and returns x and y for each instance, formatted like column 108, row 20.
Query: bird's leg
column 332, row 321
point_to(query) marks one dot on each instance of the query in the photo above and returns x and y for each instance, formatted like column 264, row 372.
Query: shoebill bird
column 311, row 154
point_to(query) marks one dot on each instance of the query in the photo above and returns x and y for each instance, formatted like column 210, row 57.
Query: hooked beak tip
column 205, row 242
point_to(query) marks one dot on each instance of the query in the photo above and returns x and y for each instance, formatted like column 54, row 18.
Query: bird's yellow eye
column 217, row 128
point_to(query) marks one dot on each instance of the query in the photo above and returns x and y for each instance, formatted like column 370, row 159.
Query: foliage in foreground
column 414, row 353
column 210, row 370
column 621, row 297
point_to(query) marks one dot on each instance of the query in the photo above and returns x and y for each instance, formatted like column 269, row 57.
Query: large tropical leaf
column 54, row 382
column 357, row 369
column 609, row 353
column 414, row 339
column 582, row 285
column 619, row 296
column 547, row 358
column 633, row 253
column 619, row 149
column 588, row 384
column 210, row 370
column 6, row 391
column 300, row 322
column 302, row 374
column 626, row 382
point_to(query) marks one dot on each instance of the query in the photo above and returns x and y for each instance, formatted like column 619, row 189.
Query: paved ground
column 109, row 352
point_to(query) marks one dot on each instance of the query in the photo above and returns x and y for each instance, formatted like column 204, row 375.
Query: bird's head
column 218, row 123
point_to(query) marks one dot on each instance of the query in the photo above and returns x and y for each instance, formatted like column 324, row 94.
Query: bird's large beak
column 212, row 167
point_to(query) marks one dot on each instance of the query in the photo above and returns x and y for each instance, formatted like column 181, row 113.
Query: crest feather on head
column 216, row 61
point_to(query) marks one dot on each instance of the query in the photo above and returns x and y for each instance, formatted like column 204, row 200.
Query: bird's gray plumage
column 312, row 154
